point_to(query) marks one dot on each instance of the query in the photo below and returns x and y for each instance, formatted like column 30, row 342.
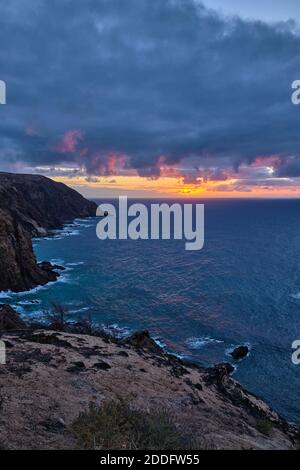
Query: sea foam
column 197, row 343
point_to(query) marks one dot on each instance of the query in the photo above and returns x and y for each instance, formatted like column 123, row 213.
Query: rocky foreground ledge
column 31, row 206
column 52, row 376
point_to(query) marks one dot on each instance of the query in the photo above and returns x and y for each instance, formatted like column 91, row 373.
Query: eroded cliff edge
column 75, row 370
column 32, row 205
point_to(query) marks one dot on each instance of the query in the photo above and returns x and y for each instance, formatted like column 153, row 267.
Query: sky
column 172, row 98
column 264, row 10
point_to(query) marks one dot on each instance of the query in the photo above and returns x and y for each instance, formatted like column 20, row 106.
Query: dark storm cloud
column 137, row 80
column 289, row 167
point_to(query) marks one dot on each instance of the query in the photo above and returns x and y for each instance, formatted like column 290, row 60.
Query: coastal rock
column 46, row 265
column 31, row 206
column 226, row 367
column 10, row 319
column 51, row 269
column 143, row 340
column 240, row 352
column 219, row 373
column 58, row 267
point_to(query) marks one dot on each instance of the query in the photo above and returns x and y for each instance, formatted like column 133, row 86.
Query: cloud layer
column 115, row 86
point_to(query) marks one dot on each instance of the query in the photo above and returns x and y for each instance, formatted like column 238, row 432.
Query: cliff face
column 31, row 205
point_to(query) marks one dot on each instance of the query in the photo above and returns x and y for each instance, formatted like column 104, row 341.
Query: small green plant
column 116, row 425
column 264, row 426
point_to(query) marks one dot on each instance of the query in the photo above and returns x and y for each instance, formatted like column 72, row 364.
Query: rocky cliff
column 31, row 205
column 74, row 371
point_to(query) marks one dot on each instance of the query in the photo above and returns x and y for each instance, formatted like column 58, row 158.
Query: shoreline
column 30, row 220
column 207, row 400
column 56, row 235
column 48, row 207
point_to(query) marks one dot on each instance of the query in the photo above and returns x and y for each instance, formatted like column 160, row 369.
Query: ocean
column 243, row 287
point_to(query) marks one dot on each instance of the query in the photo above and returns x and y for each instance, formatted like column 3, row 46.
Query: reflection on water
column 243, row 287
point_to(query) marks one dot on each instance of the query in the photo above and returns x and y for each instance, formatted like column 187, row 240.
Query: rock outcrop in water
column 240, row 352
column 32, row 205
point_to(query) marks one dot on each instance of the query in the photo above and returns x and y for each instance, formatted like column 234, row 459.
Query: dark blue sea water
column 243, row 287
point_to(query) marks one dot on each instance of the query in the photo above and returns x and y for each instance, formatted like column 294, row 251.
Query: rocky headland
column 32, row 206
column 50, row 377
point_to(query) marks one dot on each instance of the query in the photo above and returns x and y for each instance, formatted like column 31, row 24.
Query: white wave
column 198, row 343
column 85, row 219
column 57, row 261
column 117, row 330
column 63, row 278
column 296, row 296
column 78, row 263
column 79, row 310
column 67, row 233
column 6, row 294
column 53, row 237
column 68, row 230
column 181, row 356
column 20, row 310
column 28, row 302
column 160, row 342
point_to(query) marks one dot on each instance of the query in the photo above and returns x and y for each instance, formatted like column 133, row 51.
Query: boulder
column 226, row 367
column 10, row 319
column 219, row 374
column 58, row 267
column 240, row 352
column 143, row 340
column 47, row 266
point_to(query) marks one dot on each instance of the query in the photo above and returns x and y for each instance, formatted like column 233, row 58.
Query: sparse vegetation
column 87, row 324
column 264, row 426
column 117, row 425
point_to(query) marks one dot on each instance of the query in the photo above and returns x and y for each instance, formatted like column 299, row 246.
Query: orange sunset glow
column 172, row 187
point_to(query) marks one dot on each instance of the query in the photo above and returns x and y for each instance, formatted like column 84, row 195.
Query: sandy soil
column 50, row 377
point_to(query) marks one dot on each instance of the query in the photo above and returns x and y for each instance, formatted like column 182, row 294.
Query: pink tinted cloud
column 70, row 141
column 106, row 164
column 268, row 160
